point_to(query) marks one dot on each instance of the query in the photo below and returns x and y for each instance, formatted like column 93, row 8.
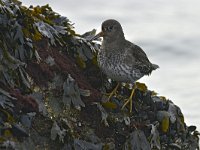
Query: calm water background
column 168, row 31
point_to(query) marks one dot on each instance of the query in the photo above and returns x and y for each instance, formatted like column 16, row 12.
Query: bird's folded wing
column 138, row 59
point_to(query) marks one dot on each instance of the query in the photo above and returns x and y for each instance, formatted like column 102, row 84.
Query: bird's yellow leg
column 114, row 91
column 130, row 99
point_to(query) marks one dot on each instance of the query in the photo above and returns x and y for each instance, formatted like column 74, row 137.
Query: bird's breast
column 114, row 67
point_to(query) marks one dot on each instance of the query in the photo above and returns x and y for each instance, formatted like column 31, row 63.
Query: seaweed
column 52, row 91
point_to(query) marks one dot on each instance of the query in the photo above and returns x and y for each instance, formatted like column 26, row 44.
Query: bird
column 120, row 59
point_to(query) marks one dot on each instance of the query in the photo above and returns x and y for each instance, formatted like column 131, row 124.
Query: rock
column 39, row 49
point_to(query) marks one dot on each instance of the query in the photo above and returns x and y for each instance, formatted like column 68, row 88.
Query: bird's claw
column 113, row 93
column 129, row 100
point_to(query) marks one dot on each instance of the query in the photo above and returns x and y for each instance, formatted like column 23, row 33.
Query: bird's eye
column 110, row 28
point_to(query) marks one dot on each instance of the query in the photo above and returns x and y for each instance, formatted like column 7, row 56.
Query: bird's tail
column 154, row 66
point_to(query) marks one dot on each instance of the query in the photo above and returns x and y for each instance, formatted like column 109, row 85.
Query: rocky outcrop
column 51, row 92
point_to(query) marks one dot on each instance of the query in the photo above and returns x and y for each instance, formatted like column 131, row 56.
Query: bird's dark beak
column 100, row 34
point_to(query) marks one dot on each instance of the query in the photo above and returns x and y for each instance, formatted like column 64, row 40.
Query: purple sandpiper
column 120, row 59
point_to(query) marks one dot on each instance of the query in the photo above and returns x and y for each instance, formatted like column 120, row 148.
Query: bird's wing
column 137, row 59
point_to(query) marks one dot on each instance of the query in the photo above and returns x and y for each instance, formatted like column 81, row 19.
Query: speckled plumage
column 120, row 59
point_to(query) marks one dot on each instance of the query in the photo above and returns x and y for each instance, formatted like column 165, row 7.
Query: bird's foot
column 111, row 94
column 130, row 100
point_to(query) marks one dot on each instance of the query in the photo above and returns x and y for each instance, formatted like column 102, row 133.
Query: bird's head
column 110, row 30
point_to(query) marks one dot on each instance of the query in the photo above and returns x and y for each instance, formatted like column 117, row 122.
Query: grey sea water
column 168, row 31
